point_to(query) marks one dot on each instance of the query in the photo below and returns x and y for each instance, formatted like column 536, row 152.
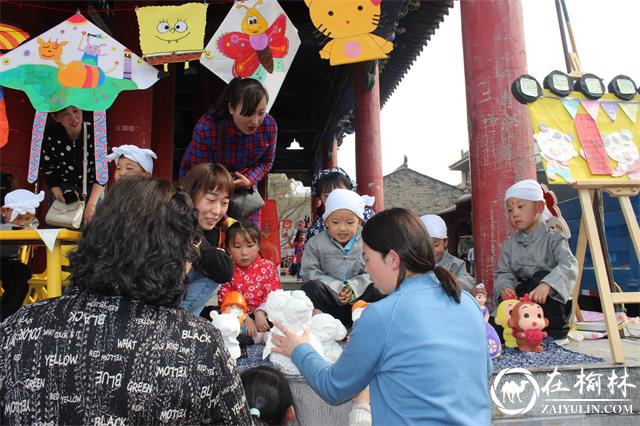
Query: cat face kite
column 74, row 63
column 349, row 23
column 256, row 41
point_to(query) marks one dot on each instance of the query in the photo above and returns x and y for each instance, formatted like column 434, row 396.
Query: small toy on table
column 229, row 327
column 493, row 340
column 357, row 309
column 502, row 319
column 295, row 314
column 527, row 321
column 235, row 304
column 329, row 331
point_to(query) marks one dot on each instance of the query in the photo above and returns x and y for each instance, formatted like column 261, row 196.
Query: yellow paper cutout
column 167, row 31
column 350, row 24
column 556, row 137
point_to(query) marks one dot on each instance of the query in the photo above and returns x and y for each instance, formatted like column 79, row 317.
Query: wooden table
column 31, row 237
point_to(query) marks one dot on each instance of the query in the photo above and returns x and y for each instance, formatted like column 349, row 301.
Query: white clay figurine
column 229, row 327
column 329, row 331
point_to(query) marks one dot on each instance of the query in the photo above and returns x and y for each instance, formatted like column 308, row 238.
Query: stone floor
column 600, row 347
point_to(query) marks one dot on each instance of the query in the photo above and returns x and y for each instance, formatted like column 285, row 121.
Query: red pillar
column 330, row 156
column 129, row 118
column 500, row 142
column 368, row 151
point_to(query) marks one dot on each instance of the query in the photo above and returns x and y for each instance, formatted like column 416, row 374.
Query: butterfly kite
column 254, row 42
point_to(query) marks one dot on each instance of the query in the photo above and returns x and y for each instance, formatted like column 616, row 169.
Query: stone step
column 566, row 393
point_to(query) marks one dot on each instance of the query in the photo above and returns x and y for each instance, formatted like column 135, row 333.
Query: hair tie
column 254, row 412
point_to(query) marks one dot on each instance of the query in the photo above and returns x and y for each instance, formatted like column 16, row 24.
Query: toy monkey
column 527, row 321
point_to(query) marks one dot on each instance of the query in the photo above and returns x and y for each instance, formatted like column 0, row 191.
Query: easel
column 621, row 190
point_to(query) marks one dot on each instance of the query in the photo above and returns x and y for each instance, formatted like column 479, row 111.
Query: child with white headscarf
column 536, row 260
column 332, row 264
column 132, row 160
column 18, row 212
column 437, row 229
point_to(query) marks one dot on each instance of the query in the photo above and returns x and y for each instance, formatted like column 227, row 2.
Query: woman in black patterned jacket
column 117, row 349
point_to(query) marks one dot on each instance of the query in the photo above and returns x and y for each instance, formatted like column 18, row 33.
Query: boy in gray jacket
column 332, row 264
column 437, row 229
column 536, row 260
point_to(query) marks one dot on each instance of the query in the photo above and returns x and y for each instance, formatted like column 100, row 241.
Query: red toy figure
column 235, row 304
column 527, row 321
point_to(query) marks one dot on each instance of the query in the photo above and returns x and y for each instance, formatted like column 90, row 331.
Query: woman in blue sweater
column 422, row 349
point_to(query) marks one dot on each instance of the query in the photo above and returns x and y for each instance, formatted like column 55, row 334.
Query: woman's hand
column 241, row 181
column 286, row 344
column 56, row 191
column 250, row 326
column 90, row 207
column 89, row 211
column 261, row 321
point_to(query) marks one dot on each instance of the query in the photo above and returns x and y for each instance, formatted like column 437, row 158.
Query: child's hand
column 345, row 295
column 250, row 326
column 540, row 293
column 261, row 321
column 507, row 293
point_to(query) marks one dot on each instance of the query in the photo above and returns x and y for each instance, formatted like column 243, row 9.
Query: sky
column 414, row 122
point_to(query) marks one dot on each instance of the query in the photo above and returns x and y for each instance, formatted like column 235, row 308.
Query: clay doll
column 527, row 321
column 295, row 315
column 275, row 312
column 357, row 309
column 329, row 331
column 493, row 340
column 229, row 327
column 502, row 319
column 235, row 304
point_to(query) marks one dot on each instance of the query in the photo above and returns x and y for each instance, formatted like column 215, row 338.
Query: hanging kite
column 254, row 43
column 349, row 23
column 172, row 33
column 10, row 38
column 73, row 64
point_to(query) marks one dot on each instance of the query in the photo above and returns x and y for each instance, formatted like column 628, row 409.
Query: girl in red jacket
column 253, row 276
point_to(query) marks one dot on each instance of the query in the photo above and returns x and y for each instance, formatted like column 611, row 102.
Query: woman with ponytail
column 422, row 349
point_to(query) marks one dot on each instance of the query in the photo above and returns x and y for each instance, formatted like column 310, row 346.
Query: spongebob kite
column 172, row 33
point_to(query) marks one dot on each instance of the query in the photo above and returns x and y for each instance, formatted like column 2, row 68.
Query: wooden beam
column 602, row 279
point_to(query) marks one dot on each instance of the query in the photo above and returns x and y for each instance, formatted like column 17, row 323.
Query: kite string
column 58, row 9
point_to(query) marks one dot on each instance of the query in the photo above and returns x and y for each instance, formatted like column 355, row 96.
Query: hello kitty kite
column 349, row 24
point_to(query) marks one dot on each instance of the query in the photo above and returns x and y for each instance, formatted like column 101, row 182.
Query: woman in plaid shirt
column 237, row 133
